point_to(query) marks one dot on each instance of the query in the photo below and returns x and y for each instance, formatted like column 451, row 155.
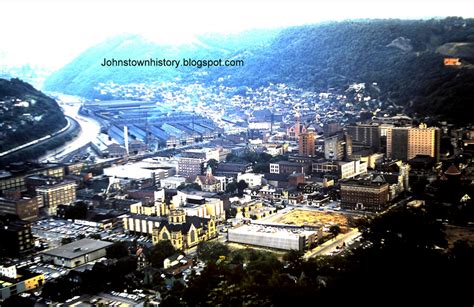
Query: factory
column 149, row 126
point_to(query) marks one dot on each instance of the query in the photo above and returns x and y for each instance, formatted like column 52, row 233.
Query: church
column 184, row 231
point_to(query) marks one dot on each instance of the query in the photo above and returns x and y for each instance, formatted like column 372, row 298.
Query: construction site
column 314, row 218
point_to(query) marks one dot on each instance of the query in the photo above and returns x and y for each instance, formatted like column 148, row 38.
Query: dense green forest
column 26, row 114
column 404, row 58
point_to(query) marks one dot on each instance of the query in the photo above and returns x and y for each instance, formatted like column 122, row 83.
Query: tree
column 117, row 250
column 407, row 228
column 335, row 230
column 212, row 163
column 76, row 211
column 294, row 258
column 231, row 187
column 160, row 251
column 241, row 186
column 211, row 251
column 261, row 167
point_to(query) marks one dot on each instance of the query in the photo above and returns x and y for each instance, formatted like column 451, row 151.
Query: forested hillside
column 85, row 72
column 404, row 58
column 26, row 114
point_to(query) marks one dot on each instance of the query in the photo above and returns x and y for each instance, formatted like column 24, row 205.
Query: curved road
column 89, row 130
column 71, row 124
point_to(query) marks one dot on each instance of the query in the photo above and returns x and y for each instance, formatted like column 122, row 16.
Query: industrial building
column 154, row 126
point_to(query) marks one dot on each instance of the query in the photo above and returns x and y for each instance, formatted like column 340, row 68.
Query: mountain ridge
column 401, row 56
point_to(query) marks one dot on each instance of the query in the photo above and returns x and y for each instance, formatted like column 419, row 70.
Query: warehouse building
column 76, row 253
column 285, row 238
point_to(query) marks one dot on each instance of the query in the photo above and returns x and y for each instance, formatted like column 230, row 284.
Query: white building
column 198, row 203
column 251, row 179
column 141, row 224
column 352, row 169
column 172, row 182
column 273, row 237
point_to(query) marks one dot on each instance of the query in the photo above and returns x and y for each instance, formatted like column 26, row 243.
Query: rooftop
column 271, row 231
column 78, row 248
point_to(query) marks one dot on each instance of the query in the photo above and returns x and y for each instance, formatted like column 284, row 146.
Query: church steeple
column 208, row 171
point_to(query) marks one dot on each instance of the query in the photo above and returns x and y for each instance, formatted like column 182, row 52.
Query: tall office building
column 307, row 143
column 365, row 134
column 397, row 143
column 424, row 141
column 57, row 193
column 338, row 147
column 405, row 143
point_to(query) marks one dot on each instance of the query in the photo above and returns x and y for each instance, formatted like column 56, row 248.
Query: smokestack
column 125, row 138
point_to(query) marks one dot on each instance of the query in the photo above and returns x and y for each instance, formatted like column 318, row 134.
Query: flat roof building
column 76, row 253
column 286, row 238
column 370, row 194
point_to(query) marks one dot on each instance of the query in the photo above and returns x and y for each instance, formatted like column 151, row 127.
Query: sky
column 51, row 33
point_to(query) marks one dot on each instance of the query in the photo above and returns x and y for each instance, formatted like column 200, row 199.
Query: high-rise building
column 57, row 193
column 338, row 147
column 405, row 143
column 397, row 143
column 307, row 144
column 365, row 134
column 424, row 141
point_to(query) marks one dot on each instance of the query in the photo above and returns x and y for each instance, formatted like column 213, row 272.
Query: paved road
column 330, row 246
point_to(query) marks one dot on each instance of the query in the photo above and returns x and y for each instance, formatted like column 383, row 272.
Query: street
column 331, row 245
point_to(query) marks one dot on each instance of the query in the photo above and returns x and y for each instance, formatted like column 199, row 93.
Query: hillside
column 404, row 58
column 26, row 114
column 85, row 72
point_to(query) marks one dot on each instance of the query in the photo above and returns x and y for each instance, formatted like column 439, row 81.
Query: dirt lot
column 313, row 218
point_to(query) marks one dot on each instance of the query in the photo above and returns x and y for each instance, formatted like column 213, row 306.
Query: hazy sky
column 51, row 33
